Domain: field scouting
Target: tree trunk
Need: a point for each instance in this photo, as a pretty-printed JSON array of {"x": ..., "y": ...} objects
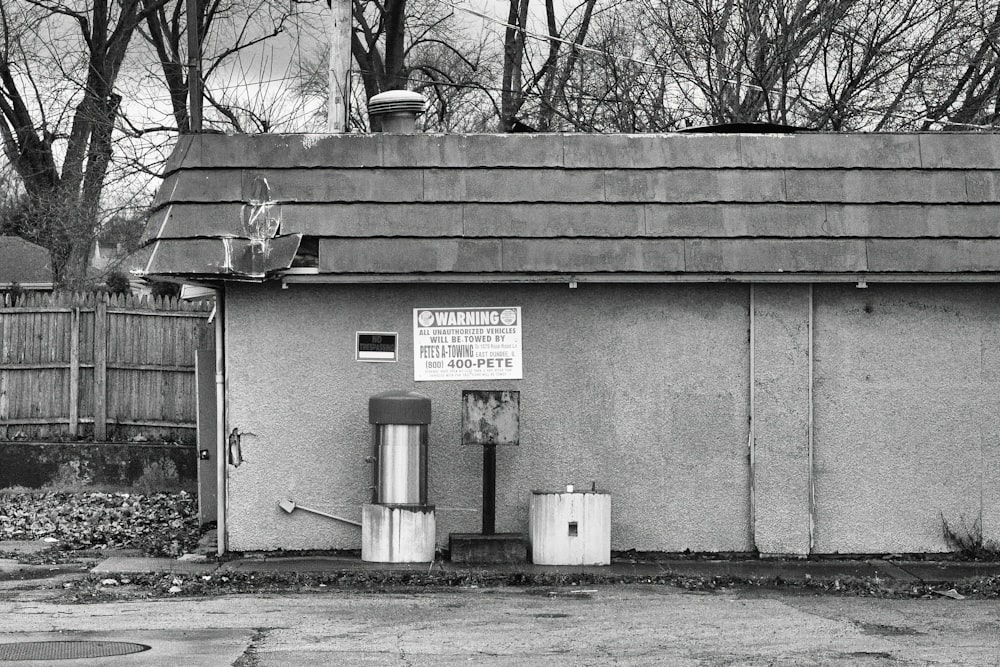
[
  {"x": 395, "y": 48},
  {"x": 512, "y": 94}
]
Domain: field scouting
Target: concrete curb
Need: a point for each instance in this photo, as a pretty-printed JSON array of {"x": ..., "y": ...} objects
[
  {"x": 791, "y": 571},
  {"x": 126, "y": 564}
]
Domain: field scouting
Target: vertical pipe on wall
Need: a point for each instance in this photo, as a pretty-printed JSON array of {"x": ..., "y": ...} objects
[
  {"x": 812, "y": 478},
  {"x": 750, "y": 435},
  {"x": 220, "y": 421}
]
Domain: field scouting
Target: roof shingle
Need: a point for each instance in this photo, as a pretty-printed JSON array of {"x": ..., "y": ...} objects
[{"x": 523, "y": 207}]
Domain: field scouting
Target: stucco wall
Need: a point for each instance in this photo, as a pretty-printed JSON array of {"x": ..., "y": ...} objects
[
  {"x": 780, "y": 417},
  {"x": 642, "y": 389},
  {"x": 645, "y": 391},
  {"x": 907, "y": 415}
]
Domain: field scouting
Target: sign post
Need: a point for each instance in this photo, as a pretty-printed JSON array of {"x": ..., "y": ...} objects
[{"x": 490, "y": 418}]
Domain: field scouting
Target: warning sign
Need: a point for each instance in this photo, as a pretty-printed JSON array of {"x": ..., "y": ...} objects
[
  {"x": 467, "y": 344},
  {"x": 376, "y": 346}
]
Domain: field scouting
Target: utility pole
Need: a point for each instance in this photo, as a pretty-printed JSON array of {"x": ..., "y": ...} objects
[
  {"x": 194, "y": 65},
  {"x": 340, "y": 65}
]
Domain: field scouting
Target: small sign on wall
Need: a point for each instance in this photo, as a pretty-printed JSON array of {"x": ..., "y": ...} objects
[
  {"x": 467, "y": 343},
  {"x": 376, "y": 346}
]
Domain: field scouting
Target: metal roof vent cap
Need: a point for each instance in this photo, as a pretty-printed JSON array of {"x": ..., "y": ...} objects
[{"x": 397, "y": 110}]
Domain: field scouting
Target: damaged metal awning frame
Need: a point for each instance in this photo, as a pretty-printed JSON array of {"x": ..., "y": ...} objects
[
  {"x": 251, "y": 249},
  {"x": 227, "y": 258}
]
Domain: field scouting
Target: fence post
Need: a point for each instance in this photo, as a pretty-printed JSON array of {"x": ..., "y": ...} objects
[
  {"x": 101, "y": 369},
  {"x": 74, "y": 373}
]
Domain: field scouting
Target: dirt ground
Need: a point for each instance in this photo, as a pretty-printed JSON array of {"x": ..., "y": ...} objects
[{"x": 603, "y": 625}]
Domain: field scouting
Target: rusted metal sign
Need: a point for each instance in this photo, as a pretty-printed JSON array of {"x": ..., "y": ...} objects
[{"x": 491, "y": 417}]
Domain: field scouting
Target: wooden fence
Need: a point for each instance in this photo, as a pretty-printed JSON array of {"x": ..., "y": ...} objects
[{"x": 98, "y": 367}]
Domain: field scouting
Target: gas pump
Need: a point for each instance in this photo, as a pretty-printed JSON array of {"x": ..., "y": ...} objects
[{"x": 398, "y": 526}]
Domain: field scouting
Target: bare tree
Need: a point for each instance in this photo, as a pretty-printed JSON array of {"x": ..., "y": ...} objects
[
  {"x": 823, "y": 64},
  {"x": 874, "y": 59},
  {"x": 454, "y": 75},
  {"x": 378, "y": 44},
  {"x": 70, "y": 113},
  {"x": 71, "y": 131},
  {"x": 740, "y": 61},
  {"x": 62, "y": 155},
  {"x": 416, "y": 46},
  {"x": 533, "y": 88},
  {"x": 964, "y": 91},
  {"x": 624, "y": 83},
  {"x": 227, "y": 29}
]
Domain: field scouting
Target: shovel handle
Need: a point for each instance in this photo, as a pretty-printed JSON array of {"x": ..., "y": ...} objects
[{"x": 329, "y": 516}]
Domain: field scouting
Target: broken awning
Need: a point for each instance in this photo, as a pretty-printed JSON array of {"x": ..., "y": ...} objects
[
  {"x": 246, "y": 246},
  {"x": 233, "y": 258}
]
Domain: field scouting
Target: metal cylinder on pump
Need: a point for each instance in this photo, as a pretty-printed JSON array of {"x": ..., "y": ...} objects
[
  {"x": 398, "y": 525},
  {"x": 400, "y": 420}
]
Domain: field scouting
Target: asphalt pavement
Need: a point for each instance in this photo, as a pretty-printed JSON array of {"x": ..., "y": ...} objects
[{"x": 628, "y": 617}]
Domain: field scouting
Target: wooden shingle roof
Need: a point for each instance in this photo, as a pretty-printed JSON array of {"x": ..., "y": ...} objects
[{"x": 817, "y": 207}]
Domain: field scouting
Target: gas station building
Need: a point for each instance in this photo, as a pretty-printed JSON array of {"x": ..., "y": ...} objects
[{"x": 773, "y": 343}]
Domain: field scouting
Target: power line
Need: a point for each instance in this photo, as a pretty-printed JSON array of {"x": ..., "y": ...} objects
[
  {"x": 675, "y": 106},
  {"x": 676, "y": 73},
  {"x": 588, "y": 49},
  {"x": 494, "y": 89}
]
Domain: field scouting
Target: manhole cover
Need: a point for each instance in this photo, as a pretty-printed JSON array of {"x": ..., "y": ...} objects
[{"x": 67, "y": 650}]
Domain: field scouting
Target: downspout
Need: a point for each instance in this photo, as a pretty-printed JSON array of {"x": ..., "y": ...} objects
[
  {"x": 812, "y": 476},
  {"x": 751, "y": 439},
  {"x": 220, "y": 420}
]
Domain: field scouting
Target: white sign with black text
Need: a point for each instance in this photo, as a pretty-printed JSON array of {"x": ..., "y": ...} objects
[{"x": 467, "y": 344}]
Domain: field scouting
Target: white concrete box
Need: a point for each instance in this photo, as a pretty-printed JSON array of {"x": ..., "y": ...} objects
[
  {"x": 570, "y": 528},
  {"x": 398, "y": 534}
]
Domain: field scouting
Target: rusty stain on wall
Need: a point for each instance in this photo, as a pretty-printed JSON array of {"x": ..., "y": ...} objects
[{"x": 491, "y": 417}]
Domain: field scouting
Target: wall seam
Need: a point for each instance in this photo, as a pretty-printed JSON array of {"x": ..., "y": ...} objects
[
  {"x": 222, "y": 412},
  {"x": 810, "y": 430},
  {"x": 751, "y": 437}
]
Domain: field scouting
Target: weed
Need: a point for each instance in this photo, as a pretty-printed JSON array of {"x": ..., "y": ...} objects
[{"x": 968, "y": 541}]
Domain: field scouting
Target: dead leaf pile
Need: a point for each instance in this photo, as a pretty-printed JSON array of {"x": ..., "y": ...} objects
[{"x": 161, "y": 524}]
